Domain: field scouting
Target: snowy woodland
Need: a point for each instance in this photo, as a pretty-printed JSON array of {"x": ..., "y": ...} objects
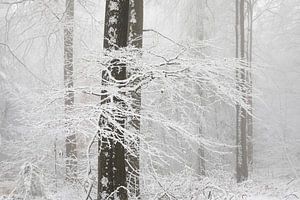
[{"x": 149, "y": 99}]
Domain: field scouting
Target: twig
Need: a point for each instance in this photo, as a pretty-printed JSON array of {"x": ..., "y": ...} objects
[{"x": 25, "y": 66}]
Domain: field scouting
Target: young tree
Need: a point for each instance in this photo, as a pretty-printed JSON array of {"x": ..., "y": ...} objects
[
  {"x": 250, "y": 6},
  {"x": 201, "y": 151},
  {"x": 71, "y": 153},
  {"x": 241, "y": 126},
  {"x": 111, "y": 160}
]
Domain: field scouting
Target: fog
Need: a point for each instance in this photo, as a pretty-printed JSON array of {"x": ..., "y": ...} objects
[{"x": 149, "y": 99}]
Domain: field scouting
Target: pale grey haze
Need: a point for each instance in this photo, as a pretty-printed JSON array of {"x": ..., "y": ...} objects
[{"x": 149, "y": 99}]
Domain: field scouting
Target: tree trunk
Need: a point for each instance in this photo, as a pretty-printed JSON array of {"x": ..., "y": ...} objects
[
  {"x": 71, "y": 153},
  {"x": 201, "y": 152},
  {"x": 135, "y": 37},
  {"x": 111, "y": 160},
  {"x": 241, "y": 133},
  {"x": 136, "y": 20},
  {"x": 201, "y": 155},
  {"x": 250, "y": 82}
]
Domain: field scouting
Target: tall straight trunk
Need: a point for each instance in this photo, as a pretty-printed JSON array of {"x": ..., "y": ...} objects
[
  {"x": 241, "y": 162},
  {"x": 135, "y": 39},
  {"x": 201, "y": 152},
  {"x": 237, "y": 128},
  {"x": 250, "y": 82},
  {"x": 136, "y": 21},
  {"x": 71, "y": 153},
  {"x": 111, "y": 158}
]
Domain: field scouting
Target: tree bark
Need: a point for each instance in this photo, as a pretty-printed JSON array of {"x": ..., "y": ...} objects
[
  {"x": 71, "y": 152},
  {"x": 135, "y": 39},
  {"x": 201, "y": 151},
  {"x": 111, "y": 159},
  {"x": 250, "y": 82},
  {"x": 241, "y": 133}
]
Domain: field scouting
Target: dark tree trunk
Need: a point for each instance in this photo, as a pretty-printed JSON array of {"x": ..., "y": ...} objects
[
  {"x": 111, "y": 160},
  {"x": 135, "y": 37},
  {"x": 136, "y": 20},
  {"x": 71, "y": 153}
]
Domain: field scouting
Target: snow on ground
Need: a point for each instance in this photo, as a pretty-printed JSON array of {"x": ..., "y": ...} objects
[
  {"x": 262, "y": 198},
  {"x": 191, "y": 188},
  {"x": 266, "y": 197},
  {"x": 279, "y": 189}
]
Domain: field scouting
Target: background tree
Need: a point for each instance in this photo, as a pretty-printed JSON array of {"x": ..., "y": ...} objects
[
  {"x": 201, "y": 34},
  {"x": 71, "y": 153},
  {"x": 241, "y": 129},
  {"x": 250, "y": 7}
]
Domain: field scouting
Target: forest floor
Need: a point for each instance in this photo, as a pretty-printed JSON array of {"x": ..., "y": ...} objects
[
  {"x": 277, "y": 189},
  {"x": 192, "y": 189}
]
